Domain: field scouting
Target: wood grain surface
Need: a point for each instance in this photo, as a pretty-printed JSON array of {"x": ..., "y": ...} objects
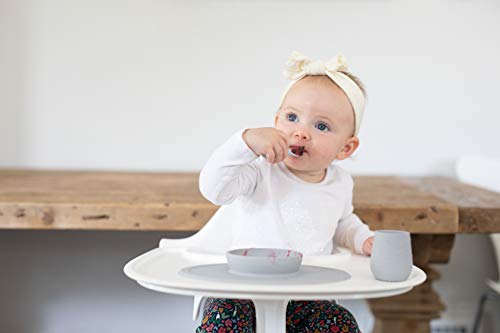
[{"x": 52, "y": 199}]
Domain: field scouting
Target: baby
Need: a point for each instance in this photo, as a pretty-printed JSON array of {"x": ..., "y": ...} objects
[{"x": 278, "y": 188}]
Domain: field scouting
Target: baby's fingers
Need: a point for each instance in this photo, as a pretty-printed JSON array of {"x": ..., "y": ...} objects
[
  {"x": 284, "y": 136},
  {"x": 270, "y": 155},
  {"x": 284, "y": 147},
  {"x": 279, "y": 153}
]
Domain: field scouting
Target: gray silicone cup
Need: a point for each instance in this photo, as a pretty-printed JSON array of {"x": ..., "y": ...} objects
[{"x": 391, "y": 258}]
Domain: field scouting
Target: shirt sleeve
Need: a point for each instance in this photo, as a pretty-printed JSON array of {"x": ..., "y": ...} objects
[
  {"x": 229, "y": 173},
  {"x": 351, "y": 231}
]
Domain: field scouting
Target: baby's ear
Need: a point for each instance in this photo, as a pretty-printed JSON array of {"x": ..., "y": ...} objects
[
  {"x": 276, "y": 117},
  {"x": 349, "y": 148}
]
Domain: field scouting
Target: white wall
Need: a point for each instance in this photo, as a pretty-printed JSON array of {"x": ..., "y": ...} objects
[
  {"x": 157, "y": 85},
  {"x": 124, "y": 84}
]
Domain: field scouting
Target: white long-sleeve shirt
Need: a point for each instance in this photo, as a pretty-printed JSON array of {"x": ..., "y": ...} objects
[{"x": 266, "y": 205}]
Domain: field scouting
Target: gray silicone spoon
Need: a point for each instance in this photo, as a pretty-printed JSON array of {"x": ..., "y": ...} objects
[{"x": 290, "y": 152}]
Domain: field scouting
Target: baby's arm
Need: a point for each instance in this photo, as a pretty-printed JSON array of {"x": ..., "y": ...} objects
[
  {"x": 351, "y": 231},
  {"x": 229, "y": 172}
]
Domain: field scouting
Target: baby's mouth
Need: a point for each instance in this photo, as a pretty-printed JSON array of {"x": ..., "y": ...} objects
[{"x": 298, "y": 150}]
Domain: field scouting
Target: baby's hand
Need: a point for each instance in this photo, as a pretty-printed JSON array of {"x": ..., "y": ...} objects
[
  {"x": 367, "y": 246},
  {"x": 267, "y": 141}
]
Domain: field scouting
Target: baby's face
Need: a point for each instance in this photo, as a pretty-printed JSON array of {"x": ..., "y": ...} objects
[{"x": 318, "y": 117}]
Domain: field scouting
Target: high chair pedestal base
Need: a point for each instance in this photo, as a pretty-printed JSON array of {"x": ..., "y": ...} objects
[{"x": 270, "y": 315}]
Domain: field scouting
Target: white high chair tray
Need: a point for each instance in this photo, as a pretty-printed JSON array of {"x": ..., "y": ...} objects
[{"x": 159, "y": 270}]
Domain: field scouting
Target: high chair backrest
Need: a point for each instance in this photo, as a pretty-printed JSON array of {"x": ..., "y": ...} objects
[{"x": 215, "y": 237}]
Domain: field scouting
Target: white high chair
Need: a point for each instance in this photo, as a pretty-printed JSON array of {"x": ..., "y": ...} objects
[
  {"x": 214, "y": 239},
  {"x": 484, "y": 172}
]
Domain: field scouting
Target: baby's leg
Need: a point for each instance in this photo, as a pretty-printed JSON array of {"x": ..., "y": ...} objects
[
  {"x": 326, "y": 316},
  {"x": 223, "y": 315},
  {"x": 297, "y": 313}
]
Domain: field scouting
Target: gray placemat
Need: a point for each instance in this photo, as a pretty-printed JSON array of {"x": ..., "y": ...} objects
[{"x": 305, "y": 275}]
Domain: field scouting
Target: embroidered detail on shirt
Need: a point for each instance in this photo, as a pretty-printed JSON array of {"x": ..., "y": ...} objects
[{"x": 298, "y": 222}]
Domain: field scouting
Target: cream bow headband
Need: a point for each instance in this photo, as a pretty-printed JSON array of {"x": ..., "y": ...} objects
[{"x": 298, "y": 66}]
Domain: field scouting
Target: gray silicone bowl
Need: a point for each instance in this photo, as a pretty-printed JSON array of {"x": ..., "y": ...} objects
[{"x": 263, "y": 261}]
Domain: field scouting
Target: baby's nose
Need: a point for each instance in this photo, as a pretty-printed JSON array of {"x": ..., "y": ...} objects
[{"x": 302, "y": 135}]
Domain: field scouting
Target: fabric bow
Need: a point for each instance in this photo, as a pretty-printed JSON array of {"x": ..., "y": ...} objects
[{"x": 299, "y": 65}]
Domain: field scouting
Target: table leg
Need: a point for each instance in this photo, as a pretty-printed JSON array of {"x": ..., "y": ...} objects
[
  {"x": 270, "y": 315},
  {"x": 413, "y": 311}
]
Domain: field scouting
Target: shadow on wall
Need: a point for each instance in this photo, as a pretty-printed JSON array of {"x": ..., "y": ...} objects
[
  {"x": 15, "y": 65},
  {"x": 73, "y": 281}
]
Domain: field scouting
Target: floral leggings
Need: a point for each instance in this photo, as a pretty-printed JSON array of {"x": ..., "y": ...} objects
[{"x": 238, "y": 316}]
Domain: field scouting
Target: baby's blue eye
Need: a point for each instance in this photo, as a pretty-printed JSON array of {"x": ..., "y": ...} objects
[
  {"x": 291, "y": 117},
  {"x": 322, "y": 127}
]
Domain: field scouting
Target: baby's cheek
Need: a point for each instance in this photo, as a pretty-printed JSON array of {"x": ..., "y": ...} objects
[
  {"x": 327, "y": 152},
  {"x": 323, "y": 159},
  {"x": 282, "y": 127}
]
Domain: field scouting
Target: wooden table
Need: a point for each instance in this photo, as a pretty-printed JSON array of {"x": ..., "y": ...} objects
[{"x": 433, "y": 209}]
